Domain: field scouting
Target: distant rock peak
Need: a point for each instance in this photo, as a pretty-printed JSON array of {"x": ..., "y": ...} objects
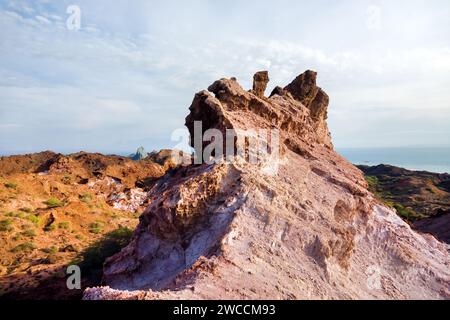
[{"x": 140, "y": 154}]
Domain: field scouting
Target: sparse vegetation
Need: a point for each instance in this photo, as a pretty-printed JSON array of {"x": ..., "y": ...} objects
[
  {"x": 100, "y": 206},
  {"x": 64, "y": 225},
  {"x": 50, "y": 250},
  {"x": 66, "y": 179},
  {"x": 386, "y": 197},
  {"x": 85, "y": 197},
  {"x": 96, "y": 227},
  {"x": 373, "y": 183},
  {"x": 10, "y": 214},
  {"x": 54, "y": 203},
  {"x": 10, "y": 185},
  {"x": 30, "y": 233},
  {"x": 15, "y": 214},
  {"x": 41, "y": 222},
  {"x": 33, "y": 218},
  {"x": 92, "y": 258},
  {"x": 406, "y": 213},
  {"x": 415, "y": 195},
  {"x": 17, "y": 237},
  {"x": 24, "y": 247},
  {"x": 6, "y": 225}
]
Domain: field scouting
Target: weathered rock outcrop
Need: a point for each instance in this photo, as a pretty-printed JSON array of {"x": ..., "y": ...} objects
[
  {"x": 305, "y": 90},
  {"x": 306, "y": 229},
  {"x": 260, "y": 81}
]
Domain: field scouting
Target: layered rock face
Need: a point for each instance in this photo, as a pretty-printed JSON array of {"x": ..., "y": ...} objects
[{"x": 309, "y": 229}]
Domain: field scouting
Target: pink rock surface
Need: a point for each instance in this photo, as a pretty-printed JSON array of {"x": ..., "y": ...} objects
[{"x": 310, "y": 231}]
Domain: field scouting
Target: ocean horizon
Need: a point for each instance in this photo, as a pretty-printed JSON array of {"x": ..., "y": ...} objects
[{"x": 433, "y": 159}]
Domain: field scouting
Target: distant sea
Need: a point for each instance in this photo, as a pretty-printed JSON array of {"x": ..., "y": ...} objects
[{"x": 428, "y": 159}]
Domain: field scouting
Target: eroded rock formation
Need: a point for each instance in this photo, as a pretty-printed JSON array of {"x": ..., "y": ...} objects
[
  {"x": 308, "y": 230},
  {"x": 260, "y": 81}
]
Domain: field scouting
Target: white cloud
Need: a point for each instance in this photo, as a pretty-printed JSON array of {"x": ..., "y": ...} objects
[{"x": 43, "y": 20}]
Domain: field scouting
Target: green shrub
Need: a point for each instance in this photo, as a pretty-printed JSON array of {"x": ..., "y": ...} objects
[
  {"x": 6, "y": 225},
  {"x": 17, "y": 237},
  {"x": 10, "y": 185},
  {"x": 406, "y": 213},
  {"x": 33, "y": 218},
  {"x": 372, "y": 182},
  {"x": 91, "y": 260},
  {"x": 30, "y": 233},
  {"x": 96, "y": 227},
  {"x": 50, "y": 250},
  {"x": 15, "y": 214},
  {"x": 21, "y": 215},
  {"x": 85, "y": 197},
  {"x": 64, "y": 225},
  {"x": 54, "y": 203},
  {"x": 24, "y": 247},
  {"x": 26, "y": 210}
]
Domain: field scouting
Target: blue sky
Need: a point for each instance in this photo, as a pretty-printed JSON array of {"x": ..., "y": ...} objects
[{"x": 128, "y": 76}]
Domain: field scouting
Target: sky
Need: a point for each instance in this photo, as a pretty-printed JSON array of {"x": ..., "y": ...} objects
[{"x": 126, "y": 77}]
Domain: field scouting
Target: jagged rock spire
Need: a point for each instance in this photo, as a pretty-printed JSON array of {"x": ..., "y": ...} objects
[
  {"x": 260, "y": 81},
  {"x": 304, "y": 89}
]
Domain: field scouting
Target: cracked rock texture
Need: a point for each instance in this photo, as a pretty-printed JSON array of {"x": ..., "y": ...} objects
[{"x": 308, "y": 230}]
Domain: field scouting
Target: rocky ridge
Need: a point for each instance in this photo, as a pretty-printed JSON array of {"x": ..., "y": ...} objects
[{"x": 309, "y": 229}]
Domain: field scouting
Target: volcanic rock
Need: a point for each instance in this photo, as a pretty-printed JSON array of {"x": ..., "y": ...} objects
[
  {"x": 279, "y": 91},
  {"x": 304, "y": 89},
  {"x": 308, "y": 228},
  {"x": 260, "y": 81}
]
